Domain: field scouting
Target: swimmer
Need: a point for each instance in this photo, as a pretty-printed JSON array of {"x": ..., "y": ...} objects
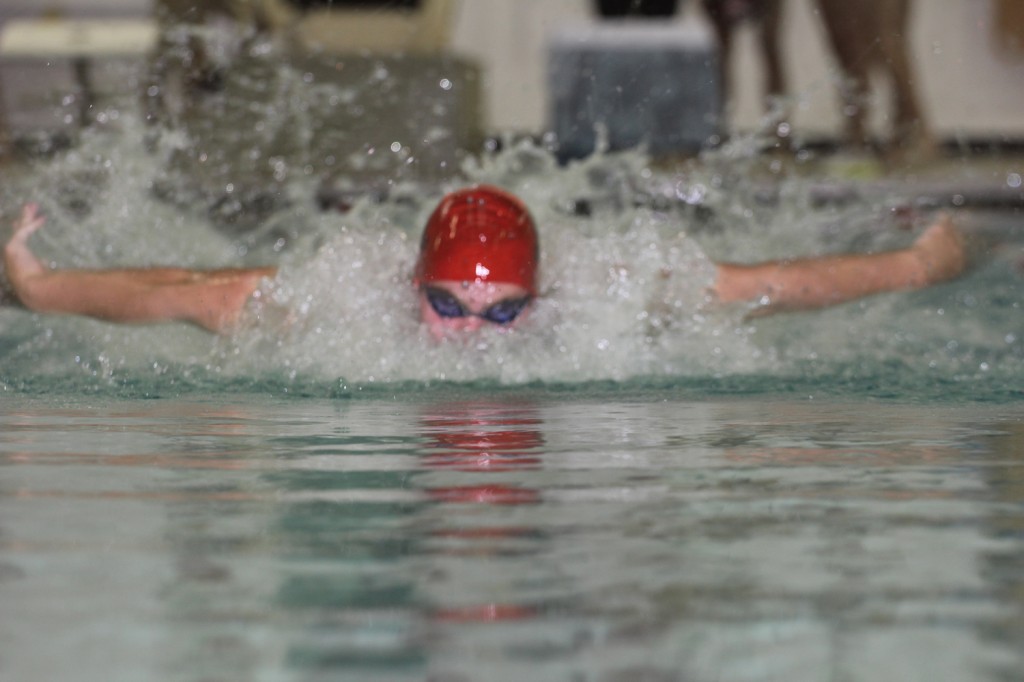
[{"x": 477, "y": 266}]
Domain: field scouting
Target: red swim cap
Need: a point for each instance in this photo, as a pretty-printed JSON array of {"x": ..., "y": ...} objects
[{"x": 480, "y": 234}]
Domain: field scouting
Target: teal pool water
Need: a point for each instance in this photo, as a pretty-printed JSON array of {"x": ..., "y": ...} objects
[
  {"x": 468, "y": 534},
  {"x": 629, "y": 486}
]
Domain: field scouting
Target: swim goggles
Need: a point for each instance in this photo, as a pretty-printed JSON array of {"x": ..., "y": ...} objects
[{"x": 502, "y": 312}]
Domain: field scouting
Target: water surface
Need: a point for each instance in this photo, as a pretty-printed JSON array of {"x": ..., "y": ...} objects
[{"x": 517, "y": 536}]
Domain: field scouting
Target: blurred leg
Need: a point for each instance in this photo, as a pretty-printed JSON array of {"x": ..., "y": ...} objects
[
  {"x": 910, "y": 130},
  {"x": 849, "y": 29}
]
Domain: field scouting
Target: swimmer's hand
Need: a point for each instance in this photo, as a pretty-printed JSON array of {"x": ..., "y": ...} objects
[
  {"x": 29, "y": 221},
  {"x": 940, "y": 251},
  {"x": 18, "y": 258}
]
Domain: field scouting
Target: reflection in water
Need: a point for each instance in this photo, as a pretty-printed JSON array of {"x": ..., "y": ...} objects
[
  {"x": 366, "y": 573},
  {"x": 511, "y": 539},
  {"x": 1005, "y": 568},
  {"x": 342, "y": 539},
  {"x": 480, "y": 446}
]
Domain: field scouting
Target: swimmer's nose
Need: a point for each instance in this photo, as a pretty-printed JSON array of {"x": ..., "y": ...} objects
[{"x": 471, "y": 324}]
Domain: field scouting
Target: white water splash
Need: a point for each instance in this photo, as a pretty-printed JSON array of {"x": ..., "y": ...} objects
[{"x": 624, "y": 271}]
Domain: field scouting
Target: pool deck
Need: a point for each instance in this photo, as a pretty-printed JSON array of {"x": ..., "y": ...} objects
[{"x": 990, "y": 180}]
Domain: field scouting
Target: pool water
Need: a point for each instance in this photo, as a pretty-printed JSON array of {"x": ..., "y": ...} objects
[
  {"x": 465, "y": 534},
  {"x": 631, "y": 485}
]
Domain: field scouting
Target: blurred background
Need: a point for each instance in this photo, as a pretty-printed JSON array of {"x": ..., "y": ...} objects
[{"x": 675, "y": 76}]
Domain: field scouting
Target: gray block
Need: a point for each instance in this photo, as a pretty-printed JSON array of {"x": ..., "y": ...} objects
[{"x": 645, "y": 83}]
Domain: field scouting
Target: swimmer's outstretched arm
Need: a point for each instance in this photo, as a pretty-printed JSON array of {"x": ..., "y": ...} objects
[
  {"x": 937, "y": 255},
  {"x": 211, "y": 299}
]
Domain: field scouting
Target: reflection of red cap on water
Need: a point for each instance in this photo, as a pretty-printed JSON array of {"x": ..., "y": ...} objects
[
  {"x": 487, "y": 613},
  {"x": 495, "y": 493},
  {"x": 480, "y": 234}
]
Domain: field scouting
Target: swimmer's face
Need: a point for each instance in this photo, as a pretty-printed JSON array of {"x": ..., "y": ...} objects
[{"x": 448, "y": 307}]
